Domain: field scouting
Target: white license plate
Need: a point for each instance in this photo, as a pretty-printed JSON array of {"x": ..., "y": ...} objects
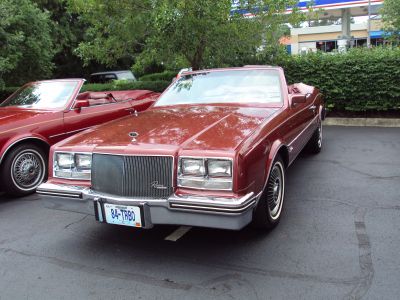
[{"x": 123, "y": 215}]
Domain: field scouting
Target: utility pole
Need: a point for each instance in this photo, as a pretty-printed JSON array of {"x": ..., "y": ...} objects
[{"x": 369, "y": 25}]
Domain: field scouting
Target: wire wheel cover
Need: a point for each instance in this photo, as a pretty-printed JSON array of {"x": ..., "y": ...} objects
[
  {"x": 275, "y": 188},
  {"x": 27, "y": 169}
]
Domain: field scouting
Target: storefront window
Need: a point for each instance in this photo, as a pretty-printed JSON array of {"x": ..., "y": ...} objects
[
  {"x": 327, "y": 46},
  {"x": 360, "y": 43}
]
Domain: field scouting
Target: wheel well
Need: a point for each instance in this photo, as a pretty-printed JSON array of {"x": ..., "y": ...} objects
[
  {"x": 284, "y": 153},
  {"x": 40, "y": 143}
]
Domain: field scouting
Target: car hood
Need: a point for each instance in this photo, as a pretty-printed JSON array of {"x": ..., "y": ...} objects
[
  {"x": 13, "y": 118},
  {"x": 194, "y": 127}
]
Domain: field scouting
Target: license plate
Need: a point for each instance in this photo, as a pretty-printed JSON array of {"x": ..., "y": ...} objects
[{"x": 123, "y": 215}]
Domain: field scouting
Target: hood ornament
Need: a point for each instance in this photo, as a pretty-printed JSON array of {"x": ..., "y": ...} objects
[{"x": 133, "y": 135}]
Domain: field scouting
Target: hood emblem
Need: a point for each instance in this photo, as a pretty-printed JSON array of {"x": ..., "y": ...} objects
[
  {"x": 157, "y": 186},
  {"x": 133, "y": 135}
]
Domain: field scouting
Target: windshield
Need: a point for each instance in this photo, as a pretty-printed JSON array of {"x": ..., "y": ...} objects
[
  {"x": 126, "y": 75},
  {"x": 45, "y": 95},
  {"x": 247, "y": 86}
]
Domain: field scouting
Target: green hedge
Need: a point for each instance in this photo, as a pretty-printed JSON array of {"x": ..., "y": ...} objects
[
  {"x": 6, "y": 92},
  {"x": 360, "y": 80},
  {"x": 156, "y": 86},
  {"x": 166, "y": 76}
]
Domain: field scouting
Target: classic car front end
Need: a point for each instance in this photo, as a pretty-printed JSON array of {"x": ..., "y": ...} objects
[
  {"x": 219, "y": 162},
  {"x": 156, "y": 187}
]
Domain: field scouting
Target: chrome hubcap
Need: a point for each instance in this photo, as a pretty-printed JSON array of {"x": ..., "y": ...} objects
[
  {"x": 27, "y": 170},
  {"x": 275, "y": 190},
  {"x": 320, "y": 136}
]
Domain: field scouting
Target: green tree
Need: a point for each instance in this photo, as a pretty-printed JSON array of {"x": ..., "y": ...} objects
[
  {"x": 116, "y": 29},
  {"x": 391, "y": 19},
  {"x": 178, "y": 33},
  {"x": 26, "y": 48}
]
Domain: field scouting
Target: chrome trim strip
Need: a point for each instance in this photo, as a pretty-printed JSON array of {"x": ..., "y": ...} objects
[
  {"x": 98, "y": 105},
  {"x": 305, "y": 128},
  {"x": 61, "y": 190},
  {"x": 212, "y": 201},
  {"x": 70, "y": 132},
  {"x": 49, "y": 193},
  {"x": 207, "y": 209},
  {"x": 92, "y": 194}
]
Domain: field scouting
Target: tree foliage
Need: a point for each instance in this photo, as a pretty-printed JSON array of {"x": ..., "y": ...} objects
[
  {"x": 117, "y": 29},
  {"x": 26, "y": 47},
  {"x": 178, "y": 33},
  {"x": 391, "y": 18}
]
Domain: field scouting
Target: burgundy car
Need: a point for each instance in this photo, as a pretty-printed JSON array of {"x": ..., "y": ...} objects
[
  {"x": 212, "y": 151},
  {"x": 43, "y": 113}
]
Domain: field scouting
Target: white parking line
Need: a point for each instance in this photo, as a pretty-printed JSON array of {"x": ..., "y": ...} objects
[{"x": 178, "y": 233}]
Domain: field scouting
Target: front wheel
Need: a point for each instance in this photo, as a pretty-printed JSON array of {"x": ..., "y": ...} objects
[
  {"x": 269, "y": 208},
  {"x": 24, "y": 168}
]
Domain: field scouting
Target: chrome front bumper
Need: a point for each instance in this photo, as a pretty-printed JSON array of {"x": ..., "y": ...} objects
[{"x": 225, "y": 213}]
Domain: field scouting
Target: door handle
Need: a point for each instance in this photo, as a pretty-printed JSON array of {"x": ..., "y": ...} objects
[
  {"x": 132, "y": 111},
  {"x": 312, "y": 107}
]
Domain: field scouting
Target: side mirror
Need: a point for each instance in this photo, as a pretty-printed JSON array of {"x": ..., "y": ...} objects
[
  {"x": 81, "y": 103},
  {"x": 297, "y": 98}
]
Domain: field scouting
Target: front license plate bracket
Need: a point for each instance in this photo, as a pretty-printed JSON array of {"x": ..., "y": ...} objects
[{"x": 124, "y": 211}]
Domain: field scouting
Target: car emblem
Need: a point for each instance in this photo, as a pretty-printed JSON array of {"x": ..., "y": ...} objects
[
  {"x": 133, "y": 135},
  {"x": 156, "y": 185}
]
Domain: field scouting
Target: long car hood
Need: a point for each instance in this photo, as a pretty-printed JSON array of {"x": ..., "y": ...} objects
[
  {"x": 14, "y": 118},
  {"x": 199, "y": 127}
]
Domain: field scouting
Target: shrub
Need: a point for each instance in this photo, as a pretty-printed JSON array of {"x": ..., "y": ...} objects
[
  {"x": 166, "y": 75},
  {"x": 156, "y": 86},
  {"x": 359, "y": 80},
  {"x": 4, "y": 93}
]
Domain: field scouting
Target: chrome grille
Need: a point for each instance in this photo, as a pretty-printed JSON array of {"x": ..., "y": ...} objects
[{"x": 133, "y": 176}]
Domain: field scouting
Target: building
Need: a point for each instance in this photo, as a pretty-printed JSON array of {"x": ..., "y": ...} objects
[{"x": 326, "y": 38}]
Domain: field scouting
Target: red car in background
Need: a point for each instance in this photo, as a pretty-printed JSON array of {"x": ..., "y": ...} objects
[{"x": 43, "y": 113}]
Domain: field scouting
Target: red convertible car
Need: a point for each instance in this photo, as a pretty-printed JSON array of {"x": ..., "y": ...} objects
[
  {"x": 45, "y": 112},
  {"x": 212, "y": 151}
]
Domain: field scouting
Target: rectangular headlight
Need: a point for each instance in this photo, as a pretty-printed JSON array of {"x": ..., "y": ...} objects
[
  {"x": 205, "y": 173},
  {"x": 83, "y": 161},
  {"x": 193, "y": 167},
  {"x": 72, "y": 165},
  {"x": 219, "y": 168},
  {"x": 65, "y": 160}
]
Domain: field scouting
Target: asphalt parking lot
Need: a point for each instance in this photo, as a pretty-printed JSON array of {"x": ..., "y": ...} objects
[{"x": 339, "y": 239}]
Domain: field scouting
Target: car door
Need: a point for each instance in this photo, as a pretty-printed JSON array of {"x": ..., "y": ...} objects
[
  {"x": 78, "y": 119},
  {"x": 300, "y": 122}
]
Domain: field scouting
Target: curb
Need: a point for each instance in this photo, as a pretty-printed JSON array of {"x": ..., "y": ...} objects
[{"x": 369, "y": 122}]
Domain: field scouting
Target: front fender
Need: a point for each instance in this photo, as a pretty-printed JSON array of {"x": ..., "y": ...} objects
[
  {"x": 274, "y": 150},
  {"x": 19, "y": 138}
]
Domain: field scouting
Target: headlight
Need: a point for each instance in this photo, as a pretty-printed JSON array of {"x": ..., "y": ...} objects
[
  {"x": 193, "y": 167},
  {"x": 205, "y": 173},
  {"x": 219, "y": 168},
  {"x": 83, "y": 161},
  {"x": 65, "y": 160},
  {"x": 72, "y": 165}
]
